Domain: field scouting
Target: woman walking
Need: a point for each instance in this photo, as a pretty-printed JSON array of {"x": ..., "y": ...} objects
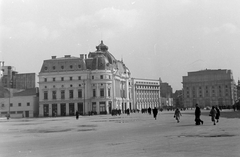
[
  {"x": 213, "y": 115},
  {"x": 217, "y": 114},
  {"x": 177, "y": 114}
]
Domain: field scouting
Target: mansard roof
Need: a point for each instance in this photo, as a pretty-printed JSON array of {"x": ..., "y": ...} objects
[{"x": 101, "y": 59}]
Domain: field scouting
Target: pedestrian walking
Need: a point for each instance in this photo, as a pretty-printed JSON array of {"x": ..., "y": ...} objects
[
  {"x": 149, "y": 110},
  {"x": 217, "y": 114},
  {"x": 213, "y": 115},
  {"x": 177, "y": 114},
  {"x": 155, "y": 112},
  {"x": 197, "y": 115},
  {"x": 77, "y": 114}
]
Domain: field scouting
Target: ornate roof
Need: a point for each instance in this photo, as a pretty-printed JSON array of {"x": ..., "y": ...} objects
[{"x": 101, "y": 59}]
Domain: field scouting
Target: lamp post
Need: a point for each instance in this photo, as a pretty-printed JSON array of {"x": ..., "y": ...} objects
[{"x": 83, "y": 97}]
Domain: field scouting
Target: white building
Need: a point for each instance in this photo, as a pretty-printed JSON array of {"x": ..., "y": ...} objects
[
  {"x": 94, "y": 84},
  {"x": 21, "y": 103},
  {"x": 146, "y": 93}
]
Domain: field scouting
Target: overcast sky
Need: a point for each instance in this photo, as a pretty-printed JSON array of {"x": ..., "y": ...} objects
[{"x": 155, "y": 38}]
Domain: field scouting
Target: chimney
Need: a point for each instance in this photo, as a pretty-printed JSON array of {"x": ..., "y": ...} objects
[
  {"x": 54, "y": 57},
  {"x": 67, "y": 56},
  {"x": 81, "y": 56}
]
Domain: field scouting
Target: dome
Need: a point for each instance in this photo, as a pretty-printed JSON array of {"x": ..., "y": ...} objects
[
  {"x": 101, "y": 47},
  {"x": 102, "y": 50},
  {"x": 99, "y": 62}
]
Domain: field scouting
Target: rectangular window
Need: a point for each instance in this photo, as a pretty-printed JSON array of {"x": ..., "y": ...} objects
[
  {"x": 54, "y": 79},
  {"x": 70, "y": 78},
  {"x": 45, "y": 95},
  {"x": 62, "y": 78},
  {"x": 70, "y": 94},
  {"x": 28, "y": 104},
  {"x": 101, "y": 92},
  {"x": 19, "y": 104},
  {"x": 79, "y": 77},
  {"x": 2, "y": 105},
  {"x": 93, "y": 77},
  {"x": 101, "y": 76},
  {"x": 62, "y": 94},
  {"x": 45, "y": 79},
  {"x": 94, "y": 92},
  {"x": 94, "y": 107},
  {"x": 102, "y": 107},
  {"x": 11, "y": 105},
  {"x": 54, "y": 95},
  {"x": 109, "y": 92},
  {"x": 80, "y": 93}
]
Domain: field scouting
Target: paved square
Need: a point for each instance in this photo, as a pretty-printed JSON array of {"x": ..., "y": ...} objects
[{"x": 126, "y": 136}]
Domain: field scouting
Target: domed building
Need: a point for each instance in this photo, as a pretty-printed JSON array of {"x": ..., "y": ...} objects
[{"x": 95, "y": 83}]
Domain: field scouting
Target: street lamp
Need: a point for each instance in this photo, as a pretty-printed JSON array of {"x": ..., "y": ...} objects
[{"x": 83, "y": 97}]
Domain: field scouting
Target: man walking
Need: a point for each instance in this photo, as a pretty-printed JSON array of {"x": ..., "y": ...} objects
[
  {"x": 197, "y": 115},
  {"x": 155, "y": 112}
]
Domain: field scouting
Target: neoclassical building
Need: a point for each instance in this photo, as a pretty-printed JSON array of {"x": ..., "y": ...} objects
[
  {"x": 209, "y": 88},
  {"x": 96, "y": 83}
]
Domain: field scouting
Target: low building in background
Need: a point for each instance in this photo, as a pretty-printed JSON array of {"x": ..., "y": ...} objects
[
  {"x": 178, "y": 99},
  {"x": 209, "y": 88},
  {"x": 19, "y": 103}
]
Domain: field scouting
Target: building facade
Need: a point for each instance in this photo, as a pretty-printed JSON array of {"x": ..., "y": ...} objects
[
  {"x": 146, "y": 93},
  {"x": 11, "y": 79},
  {"x": 178, "y": 99},
  {"x": 19, "y": 103},
  {"x": 95, "y": 83},
  {"x": 209, "y": 88}
]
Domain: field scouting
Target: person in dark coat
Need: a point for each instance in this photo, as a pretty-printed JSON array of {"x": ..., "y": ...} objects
[
  {"x": 197, "y": 115},
  {"x": 217, "y": 114},
  {"x": 155, "y": 112},
  {"x": 77, "y": 114},
  {"x": 149, "y": 110}
]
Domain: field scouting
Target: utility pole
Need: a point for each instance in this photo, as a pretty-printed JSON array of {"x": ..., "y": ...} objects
[{"x": 84, "y": 97}]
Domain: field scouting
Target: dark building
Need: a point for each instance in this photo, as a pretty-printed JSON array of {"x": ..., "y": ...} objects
[{"x": 11, "y": 79}]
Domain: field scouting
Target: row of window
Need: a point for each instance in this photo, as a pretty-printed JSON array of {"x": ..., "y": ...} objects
[
  {"x": 19, "y": 104},
  {"x": 193, "y": 88},
  {"x": 71, "y": 78},
  {"x": 207, "y": 95},
  {"x": 79, "y": 85},
  {"x": 148, "y": 87},
  {"x": 13, "y": 112},
  {"x": 138, "y": 82},
  {"x": 80, "y": 93},
  {"x": 62, "y": 67}
]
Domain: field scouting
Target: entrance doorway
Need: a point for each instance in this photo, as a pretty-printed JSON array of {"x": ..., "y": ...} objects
[
  {"x": 71, "y": 109},
  {"x": 63, "y": 109},
  {"x": 54, "y": 110},
  {"x": 45, "y": 110},
  {"x": 26, "y": 113},
  {"x": 80, "y": 108}
]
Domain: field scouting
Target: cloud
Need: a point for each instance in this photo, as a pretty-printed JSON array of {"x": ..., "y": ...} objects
[
  {"x": 108, "y": 21},
  {"x": 28, "y": 31},
  {"x": 228, "y": 28}
]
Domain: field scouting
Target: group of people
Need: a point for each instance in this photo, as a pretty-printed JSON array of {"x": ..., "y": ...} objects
[{"x": 214, "y": 114}]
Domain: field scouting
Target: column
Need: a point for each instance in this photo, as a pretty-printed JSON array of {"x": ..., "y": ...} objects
[
  {"x": 58, "y": 109},
  {"x": 50, "y": 110},
  {"x": 40, "y": 110},
  {"x": 75, "y": 107},
  {"x": 67, "y": 109}
]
